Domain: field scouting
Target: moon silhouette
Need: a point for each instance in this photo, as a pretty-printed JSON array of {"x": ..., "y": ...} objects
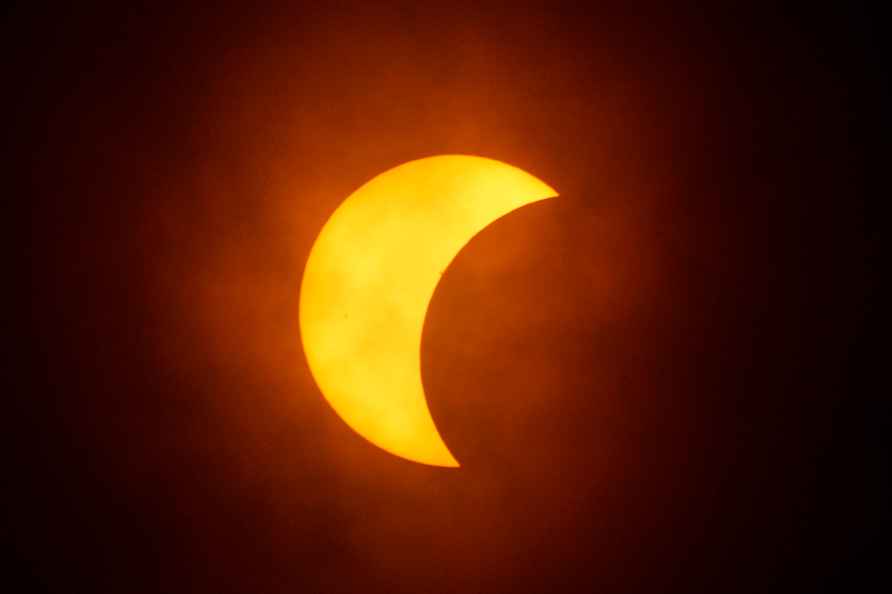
[{"x": 369, "y": 279}]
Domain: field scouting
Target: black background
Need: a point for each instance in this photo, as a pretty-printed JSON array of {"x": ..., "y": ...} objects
[{"x": 664, "y": 381}]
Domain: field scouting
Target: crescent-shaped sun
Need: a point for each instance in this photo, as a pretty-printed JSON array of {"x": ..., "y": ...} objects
[{"x": 369, "y": 279}]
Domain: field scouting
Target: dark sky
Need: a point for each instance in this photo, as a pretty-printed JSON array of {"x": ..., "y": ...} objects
[{"x": 664, "y": 381}]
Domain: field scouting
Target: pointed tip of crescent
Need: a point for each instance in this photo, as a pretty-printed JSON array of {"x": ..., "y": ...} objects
[
  {"x": 441, "y": 456},
  {"x": 452, "y": 463}
]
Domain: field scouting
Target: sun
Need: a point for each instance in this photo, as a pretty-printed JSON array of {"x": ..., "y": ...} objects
[{"x": 369, "y": 279}]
